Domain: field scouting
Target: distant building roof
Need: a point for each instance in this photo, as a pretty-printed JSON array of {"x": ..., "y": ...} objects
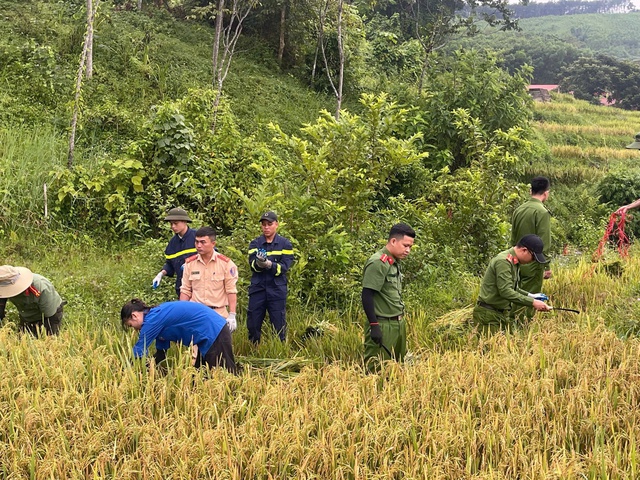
[
  {"x": 543, "y": 87},
  {"x": 606, "y": 102}
]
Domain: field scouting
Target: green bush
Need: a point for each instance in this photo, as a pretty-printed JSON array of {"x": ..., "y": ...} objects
[{"x": 621, "y": 188}]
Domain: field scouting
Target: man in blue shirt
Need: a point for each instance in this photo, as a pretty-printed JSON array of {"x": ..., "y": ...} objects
[
  {"x": 270, "y": 257},
  {"x": 186, "y": 323},
  {"x": 181, "y": 246}
]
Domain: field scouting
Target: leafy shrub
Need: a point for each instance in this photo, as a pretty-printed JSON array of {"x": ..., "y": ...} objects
[
  {"x": 494, "y": 100},
  {"x": 105, "y": 198},
  {"x": 621, "y": 188}
]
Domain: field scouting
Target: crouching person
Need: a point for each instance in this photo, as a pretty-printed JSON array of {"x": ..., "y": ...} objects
[
  {"x": 181, "y": 322},
  {"x": 38, "y": 303},
  {"x": 500, "y": 288}
]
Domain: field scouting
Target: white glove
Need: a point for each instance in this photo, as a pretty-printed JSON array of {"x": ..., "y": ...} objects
[
  {"x": 264, "y": 263},
  {"x": 538, "y": 296},
  {"x": 231, "y": 321},
  {"x": 157, "y": 280}
]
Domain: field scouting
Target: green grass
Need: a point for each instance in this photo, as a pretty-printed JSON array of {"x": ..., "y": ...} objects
[{"x": 27, "y": 156}]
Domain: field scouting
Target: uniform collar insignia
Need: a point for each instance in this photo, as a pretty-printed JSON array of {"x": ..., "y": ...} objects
[{"x": 387, "y": 259}]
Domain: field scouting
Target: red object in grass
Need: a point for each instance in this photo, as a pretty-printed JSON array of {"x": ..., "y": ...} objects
[{"x": 616, "y": 222}]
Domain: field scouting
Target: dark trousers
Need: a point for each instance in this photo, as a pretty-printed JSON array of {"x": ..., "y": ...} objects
[
  {"x": 259, "y": 305},
  {"x": 220, "y": 354},
  {"x": 51, "y": 324}
]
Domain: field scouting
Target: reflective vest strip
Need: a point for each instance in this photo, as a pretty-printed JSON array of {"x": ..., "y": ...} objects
[
  {"x": 280, "y": 252},
  {"x": 183, "y": 252},
  {"x": 274, "y": 252}
]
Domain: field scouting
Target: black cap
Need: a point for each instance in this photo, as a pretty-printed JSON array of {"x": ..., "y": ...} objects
[
  {"x": 269, "y": 217},
  {"x": 534, "y": 244}
]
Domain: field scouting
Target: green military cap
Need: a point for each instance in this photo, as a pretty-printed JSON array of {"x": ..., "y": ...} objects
[
  {"x": 177, "y": 214},
  {"x": 635, "y": 144}
]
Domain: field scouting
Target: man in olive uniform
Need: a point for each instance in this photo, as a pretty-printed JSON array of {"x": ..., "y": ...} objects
[
  {"x": 181, "y": 246},
  {"x": 500, "y": 287},
  {"x": 34, "y": 296},
  {"x": 386, "y": 330},
  {"x": 533, "y": 218}
]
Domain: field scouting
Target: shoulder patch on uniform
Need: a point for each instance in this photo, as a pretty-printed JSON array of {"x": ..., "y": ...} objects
[
  {"x": 191, "y": 258},
  {"x": 32, "y": 291},
  {"x": 386, "y": 258},
  {"x": 512, "y": 259},
  {"x": 223, "y": 258}
]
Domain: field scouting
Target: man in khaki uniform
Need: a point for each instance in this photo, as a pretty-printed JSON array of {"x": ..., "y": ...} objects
[{"x": 210, "y": 278}]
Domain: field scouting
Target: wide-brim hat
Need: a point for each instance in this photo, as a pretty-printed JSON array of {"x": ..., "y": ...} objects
[
  {"x": 14, "y": 280},
  {"x": 534, "y": 244},
  {"x": 635, "y": 144},
  {"x": 177, "y": 215}
]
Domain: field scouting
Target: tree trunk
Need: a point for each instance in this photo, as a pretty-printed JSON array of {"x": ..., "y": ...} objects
[
  {"x": 76, "y": 104},
  {"x": 225, "y": 43},
  {"x": 89, "y": 39},
  {"x": 86, "y": 66},
  {"x": 139, "y": 5},
  {"x": 283, "y": 16},
  {"x": 341, "y": 53},
  {"x": 315, "y": 64},
  {"x": 216, "y": 42},
  {"x": 425, "y": 63}
]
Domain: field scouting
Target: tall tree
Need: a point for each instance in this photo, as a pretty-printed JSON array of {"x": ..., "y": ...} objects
[
  {"x": 229, "y": 20},
  {"x": 83, "y": 70},
  {"x": 338, "y": 83},
  {"x": 433, "y": 22},
  {"x": 89, "y": 40},
  {"x": 601, "y": 76},
  {"x": 339, "y": 31}
]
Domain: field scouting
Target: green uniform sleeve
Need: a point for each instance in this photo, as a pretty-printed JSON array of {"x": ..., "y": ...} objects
[
  {"x": 514, "y": 229},
  {"x": 544, "y": 232},
  {"x": 49, "y": 299},
  {"x": 504, "y": 284},
  {"x": 374, "y": 275}
]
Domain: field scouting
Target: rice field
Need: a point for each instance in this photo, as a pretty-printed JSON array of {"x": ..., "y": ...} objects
[{"x": 558, "y": 399}]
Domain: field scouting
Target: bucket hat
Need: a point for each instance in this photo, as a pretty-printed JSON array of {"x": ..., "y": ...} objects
[{"x": 14, "y": 280}]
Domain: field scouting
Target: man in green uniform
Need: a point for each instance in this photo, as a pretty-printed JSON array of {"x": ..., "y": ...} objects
[
  {"x": 500, "y": 287},
  {"x": 386, "y": 331},
  {"x": 533, "y": 218},
  {"x": 34, "y": 296}
]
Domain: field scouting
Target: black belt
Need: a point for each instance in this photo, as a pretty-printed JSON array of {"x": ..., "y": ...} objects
[
  {"x": 491, "y": 307},
  {"x": 396, "y": 318},
  {"x": 214, "y": 307}
]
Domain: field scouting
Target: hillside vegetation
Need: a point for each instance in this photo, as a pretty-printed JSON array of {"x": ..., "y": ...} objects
[
  {"x": 611, "y": 34},
  {"x": 556, "y": 399},
  {"x": 551, "y": 44}
]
